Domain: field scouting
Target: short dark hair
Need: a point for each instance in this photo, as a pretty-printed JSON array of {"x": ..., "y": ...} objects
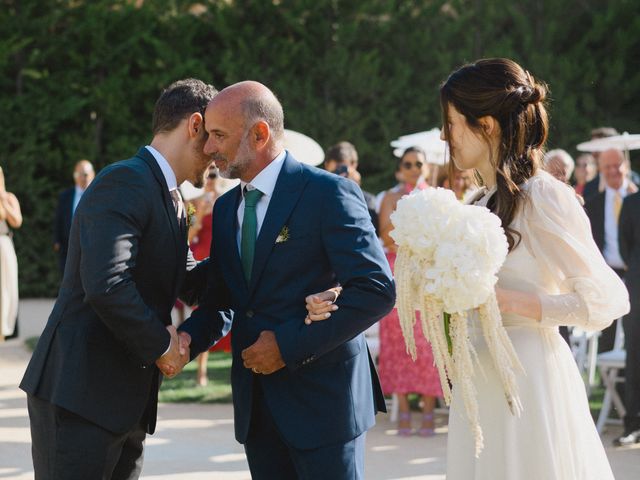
[
  {"x": 178, "y": 101},
  {"x": 343, "y": 152}
]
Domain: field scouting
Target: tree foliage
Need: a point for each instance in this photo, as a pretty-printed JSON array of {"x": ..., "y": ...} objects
[{"x": 79, "y": 78}]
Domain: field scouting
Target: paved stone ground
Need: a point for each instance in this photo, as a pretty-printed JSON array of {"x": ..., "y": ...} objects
[{"x": 195, "y": 442}]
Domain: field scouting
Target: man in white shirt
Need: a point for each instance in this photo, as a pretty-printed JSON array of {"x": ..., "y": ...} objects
[
  {"x": 83, "y": 175},
  {"x": 603, "y": 210},
  {"x": 304, "y": 395},
  {"x": 93, "y": 379}
]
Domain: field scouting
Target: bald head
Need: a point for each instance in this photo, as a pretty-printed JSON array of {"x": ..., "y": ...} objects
[
  {"x": 83, "y": 174},
  {"x": 614, "y": 168},
  {"x": 256, "y": 103}
]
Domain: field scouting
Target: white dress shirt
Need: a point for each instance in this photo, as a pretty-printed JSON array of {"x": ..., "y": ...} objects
[
  {"x": 611, "y": 249},
  {"x": 77, "y": 195},
  {"x": 265, "y": 181},
  {"x": 167, "y": 171}
]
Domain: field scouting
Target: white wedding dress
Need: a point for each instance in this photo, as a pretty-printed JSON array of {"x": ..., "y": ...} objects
[{"x": 555, "y": 437}]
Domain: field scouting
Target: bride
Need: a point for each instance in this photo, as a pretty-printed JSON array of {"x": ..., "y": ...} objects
[{"x": 496, "y": 123}]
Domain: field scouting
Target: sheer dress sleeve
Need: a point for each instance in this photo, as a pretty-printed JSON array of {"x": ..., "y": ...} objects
[{"x": 556, "y": 230}]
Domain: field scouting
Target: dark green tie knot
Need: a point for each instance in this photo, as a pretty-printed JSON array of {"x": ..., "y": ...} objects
[{"x": 251, "y": 197}]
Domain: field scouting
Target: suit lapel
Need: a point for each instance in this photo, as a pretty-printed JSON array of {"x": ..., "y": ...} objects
[
  {"x": 179, "y": 235},
  {"x": 226, "y": 245},
  {"x": 288, "y": 189},
  {"x": 145, "y": 155}
]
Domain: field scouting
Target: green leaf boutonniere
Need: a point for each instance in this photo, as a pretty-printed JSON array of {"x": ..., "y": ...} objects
[
  {"x": 191, "y": 215},
  {"x": 283, "y": 236}
]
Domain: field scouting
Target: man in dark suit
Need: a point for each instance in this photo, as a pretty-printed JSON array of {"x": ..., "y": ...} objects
[
  {"x": 92, "y": 382},
  {"x": 304, "y": 395},
  {"x": 68, "y": 200},
  {"x": 629, "y": 238},
  {"x": 603, "y": 211}
]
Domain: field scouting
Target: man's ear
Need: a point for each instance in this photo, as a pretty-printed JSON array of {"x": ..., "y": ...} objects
[
  {"x": 196, "y": 123},
  {"x": 489, "y": 125},
  {"x": 260, "y": 134}
]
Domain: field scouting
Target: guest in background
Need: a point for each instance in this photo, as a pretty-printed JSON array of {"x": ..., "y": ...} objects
[
  {"x": 603, "y": 210},
  {"x": 10, "y": 217},
  {"x": 460, "y": 181},
  {"x": 342, "y": 159},
  {"x": 585, "y": 171},
  {"x": 629, "y": 237},
  {"x": 200, "y": 243},
  {"x": 559, "y": 164},
  {"x": 598, "y": 184},
  {"x": 593, "y": 187},
  {"x": 399, "y": 186},
  {"x": 399, "y": 374},
  {"x": 68, "y": 200}
]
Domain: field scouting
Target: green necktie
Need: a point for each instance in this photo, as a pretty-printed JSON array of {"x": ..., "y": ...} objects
[{"x": 249, "y": 231}]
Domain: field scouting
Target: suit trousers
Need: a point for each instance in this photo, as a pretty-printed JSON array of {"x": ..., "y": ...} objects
[
  {"x": 270, "y": 457},
  {"x": 65, "y": 446},
  {"x": 608, "y": 336},
  {"x": 631, "y": 324}
]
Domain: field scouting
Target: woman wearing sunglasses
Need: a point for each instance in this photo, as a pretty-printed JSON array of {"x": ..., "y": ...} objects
[{"x": 399, "y": 374}]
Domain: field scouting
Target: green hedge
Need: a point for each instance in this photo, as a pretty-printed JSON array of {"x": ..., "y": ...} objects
[{"x": 79, "y": 78}]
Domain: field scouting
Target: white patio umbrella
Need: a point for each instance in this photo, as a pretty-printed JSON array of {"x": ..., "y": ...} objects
[
  {"x": 624, "y": 142},
  {"x": 436, "y": 149},
  {"x": 304, "y": 149}
]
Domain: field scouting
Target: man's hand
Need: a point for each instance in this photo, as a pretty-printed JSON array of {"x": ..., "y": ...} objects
[
  {"x": 263, "y": 356},
  {"x": 172, "y": 362}
]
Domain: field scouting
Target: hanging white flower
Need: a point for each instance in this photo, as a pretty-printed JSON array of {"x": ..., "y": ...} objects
[{"x": 448, "y": 258}]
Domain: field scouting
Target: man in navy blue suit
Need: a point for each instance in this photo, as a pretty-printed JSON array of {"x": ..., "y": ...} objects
[
  {"x": 304, "y": 395},
  {"x": 68, "y": 200}
]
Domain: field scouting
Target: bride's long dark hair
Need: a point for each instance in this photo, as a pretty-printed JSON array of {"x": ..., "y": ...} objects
[{"x": 502, "y": 89}]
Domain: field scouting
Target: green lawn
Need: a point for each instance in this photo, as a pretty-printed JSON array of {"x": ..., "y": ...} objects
[{"x": 184, "y": 388}]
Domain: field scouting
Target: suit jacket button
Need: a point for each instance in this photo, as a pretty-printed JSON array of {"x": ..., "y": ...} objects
[{"x": 249, "y": 314}]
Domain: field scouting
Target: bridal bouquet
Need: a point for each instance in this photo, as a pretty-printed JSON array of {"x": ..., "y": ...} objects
[{"x": 448, "y": 258}]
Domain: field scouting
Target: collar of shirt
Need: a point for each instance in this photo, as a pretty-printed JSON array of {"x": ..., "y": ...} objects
[
  {"x": 79, "y": 191},
  {"x": 622, "y": 190},
  {"x": 266, "y": 180},
  {"x": 167, "y": 171}
]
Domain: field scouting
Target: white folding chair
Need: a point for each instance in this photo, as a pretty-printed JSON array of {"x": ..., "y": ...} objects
[
  {"x": 609, "y": 364},
  {"x": 584, "y": 347}
]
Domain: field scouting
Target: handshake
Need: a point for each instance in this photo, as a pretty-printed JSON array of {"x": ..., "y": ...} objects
[{"x": 174, "y": 360}]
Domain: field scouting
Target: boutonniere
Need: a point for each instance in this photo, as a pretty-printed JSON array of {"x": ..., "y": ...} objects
[
  {"x": 191, "y": 215},
  {"x": 283, "y": 236}
]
